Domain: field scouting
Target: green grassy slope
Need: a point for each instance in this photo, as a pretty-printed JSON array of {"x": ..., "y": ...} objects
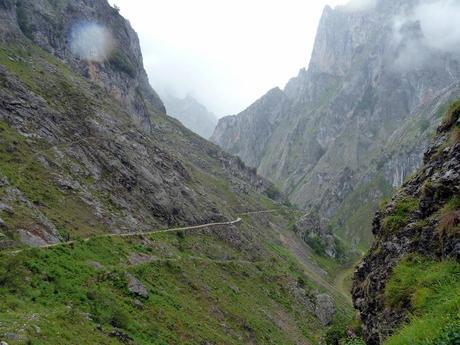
[{"x": 201, "y": 288}]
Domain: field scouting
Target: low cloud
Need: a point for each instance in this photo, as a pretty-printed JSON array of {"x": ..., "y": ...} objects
[
  {"x": 440, "y": 24},
  {"x": 432, "y": 27},
  {"x": 91, "y": 42}
]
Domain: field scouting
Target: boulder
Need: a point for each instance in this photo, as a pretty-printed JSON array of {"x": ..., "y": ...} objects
[
  {"x": 325, "y": 309},
  {"x": 136, "y": 287}
]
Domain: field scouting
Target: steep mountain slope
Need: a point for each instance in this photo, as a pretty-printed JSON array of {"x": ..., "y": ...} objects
[
  {"x": 192, "y": 114},
  {"x": 86, "y": 151},
  {"x": 331, "y": 138},
  {"x": 407, "y": 287}
]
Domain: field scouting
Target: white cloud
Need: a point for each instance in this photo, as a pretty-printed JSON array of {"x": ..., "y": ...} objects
[
  {"x": 440, "y": 24},
  {"x": 432, "y": 26}
]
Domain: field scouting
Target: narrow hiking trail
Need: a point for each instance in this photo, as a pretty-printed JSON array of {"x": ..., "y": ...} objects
[
  {"x": 300, "y": 250},
  {"x": 134, "y": 234}
]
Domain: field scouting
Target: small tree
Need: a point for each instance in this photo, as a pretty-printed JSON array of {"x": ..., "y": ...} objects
[{"x": 116, "y": 7}]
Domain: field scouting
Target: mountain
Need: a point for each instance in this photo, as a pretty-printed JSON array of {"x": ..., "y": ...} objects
[
  {"x": 192, "y": 114},
  {"x": 407, "y": 288},
  {"x": 353, "y": 126},
  {"x": 91, "y": 168}
]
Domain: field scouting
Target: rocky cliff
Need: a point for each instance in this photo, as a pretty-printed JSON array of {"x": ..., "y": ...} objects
[
  {"x": 191, "y": 114},
  {"x": 407, "y": 286},
  {"x": 354, "y": 125}
]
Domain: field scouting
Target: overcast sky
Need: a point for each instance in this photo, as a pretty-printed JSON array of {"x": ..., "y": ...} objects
[{"x": 226, "y": 53}]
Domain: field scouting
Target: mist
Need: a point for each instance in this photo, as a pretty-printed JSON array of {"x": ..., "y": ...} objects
[
  {"x": 91, "y": 42},
  {"x": 226, "y": 54},
  {"x": 432, "y": 27}
]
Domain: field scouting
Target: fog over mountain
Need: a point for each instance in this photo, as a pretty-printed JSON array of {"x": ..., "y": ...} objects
[{"x": 225, "y": 53}]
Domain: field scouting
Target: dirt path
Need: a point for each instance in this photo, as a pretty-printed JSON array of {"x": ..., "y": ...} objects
[
  {"x": 134, "y": 234},
  {"x": 299, "y": 249}
]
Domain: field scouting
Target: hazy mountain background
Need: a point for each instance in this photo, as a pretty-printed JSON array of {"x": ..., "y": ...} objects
[
  {"x": 191, "y": 113},
  {"x": 353, "y": 126}
]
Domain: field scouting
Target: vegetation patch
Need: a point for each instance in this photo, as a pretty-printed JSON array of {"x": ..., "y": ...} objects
[
  {"x": 193, "y": 298},
  {"x": 430, "y": 290},
  {"x": 452, "y": 115},
  {"x": 450, "y": 217},
  {"x": 399, "y": 217},
  {"x": 120, "y": 62}
]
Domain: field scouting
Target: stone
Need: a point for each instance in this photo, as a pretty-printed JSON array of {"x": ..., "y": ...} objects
[
  {"x": 325, "y": 309},
  {"x": 7, "y": 209},
  {"x": 138, "y": 304},
  {"x": 31, "y": 239},
  {"x": 136, "y": 287}
]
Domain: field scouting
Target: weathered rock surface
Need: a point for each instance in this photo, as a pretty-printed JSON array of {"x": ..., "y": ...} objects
[
  {"x": 435, "y": 184},
  {"x": 136, "y": 287},
  {"x": 311, "y": 229},
  {"x": 345, "y": 132},
  {"x": 325, "y": 309}
]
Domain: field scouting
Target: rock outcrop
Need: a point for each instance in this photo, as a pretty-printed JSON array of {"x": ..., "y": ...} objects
[
  {"x": 352, "y": 127},
  {"x": 95, "y": 40},
  {"x": 317, "y": 235},
  {"x": 325, "y": 309},
  {"x": 423, "y": 219}
]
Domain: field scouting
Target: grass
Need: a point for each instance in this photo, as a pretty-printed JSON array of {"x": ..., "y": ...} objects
[
  {"x": 430, "y": 290},
  {"x": 452, "y": 115},
  {"x": 399, "y": 217},
  {"x": 449, "y": 223},
  {"x": 190, "y": 301},
  {"x": 24, "y": 171}
]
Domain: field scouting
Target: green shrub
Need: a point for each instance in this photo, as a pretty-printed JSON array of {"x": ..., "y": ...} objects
[
  {"x": 120, "y": 319},
  {"x": 273, "y": 193},
  {"x": 450, "y": 336}
]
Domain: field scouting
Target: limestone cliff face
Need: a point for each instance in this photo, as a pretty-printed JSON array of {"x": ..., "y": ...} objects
[
  {"x": 63, "y": 27},
  {"x": 423, "y": 219},
  {"x": 332, "y": 137},
  {"x": 192, "y": 114}
]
